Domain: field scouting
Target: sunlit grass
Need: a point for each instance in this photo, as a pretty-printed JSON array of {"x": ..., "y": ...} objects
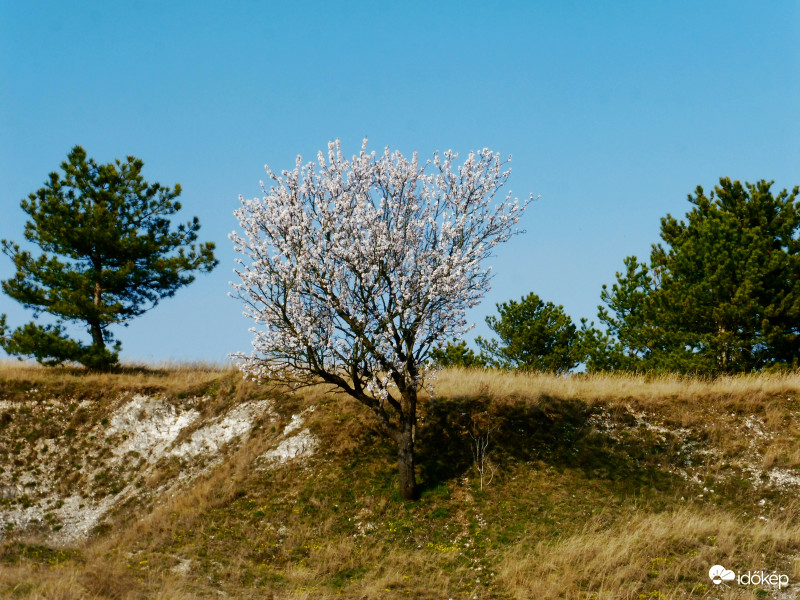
[
  {"x": 165, "y": 376},
  {"x": 657, "y": 388}
]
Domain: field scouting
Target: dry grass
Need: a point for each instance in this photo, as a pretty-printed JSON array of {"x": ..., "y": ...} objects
[
  {"x": 99, "y": 581},
  {"x": 652, "y": 388},
  {"x": 166, "y": 377},
  {"x": 37, "y": 582},
  {"x": 648, "y": 556}
]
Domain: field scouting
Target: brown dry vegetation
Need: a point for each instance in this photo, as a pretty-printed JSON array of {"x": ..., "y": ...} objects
[{"x": 603, "y": 487}]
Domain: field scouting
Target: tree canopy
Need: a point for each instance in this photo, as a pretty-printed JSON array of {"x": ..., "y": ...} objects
[
  {"x": 722, "y": 291},
  {"x": 534, "y": 335},
  {"x": 457, "y": 354},
  {"x": 108, "y": 255}
]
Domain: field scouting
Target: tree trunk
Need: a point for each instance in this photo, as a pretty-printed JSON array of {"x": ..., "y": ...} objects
[
  {"x": 97, "y": 335},
  {"x": 400, "y": 427},
  {"x": 94, "y": 324},
  {"x": 405, "y": 465},
  {"x": 405, "y": 445}
]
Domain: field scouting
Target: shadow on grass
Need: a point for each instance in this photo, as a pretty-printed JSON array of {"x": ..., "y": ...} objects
[{"x": 555, "y": 432}]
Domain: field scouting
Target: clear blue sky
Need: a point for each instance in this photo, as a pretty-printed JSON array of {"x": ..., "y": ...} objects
[{"x": 613, "y": 113}]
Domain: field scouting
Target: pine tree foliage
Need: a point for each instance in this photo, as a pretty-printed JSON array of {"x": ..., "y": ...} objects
[
  {"x": 457, "y": 354},
  {"x": 625, "y": 345},
  {"x": 729, "y": 297},
  {"x": 109, "y": 254},
  {"x": 722, "y": 291},
  {"x": 534, "y": 335}
]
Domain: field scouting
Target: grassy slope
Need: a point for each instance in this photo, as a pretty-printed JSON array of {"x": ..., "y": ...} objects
[{"x": 594, "y": 487}]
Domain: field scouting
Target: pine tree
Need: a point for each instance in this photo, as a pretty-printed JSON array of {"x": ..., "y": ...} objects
[
  {"x": 534, "y": 335},
  {"x": 108, "y": 255},
  {"x": 722, "y": 291},
  {"x": 729, "y": 297},
  {"x": 457, "y": 355}
]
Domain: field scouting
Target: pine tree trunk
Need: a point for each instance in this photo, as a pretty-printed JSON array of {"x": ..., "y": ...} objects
[
  {"x": 96, "y": 329},
  {"x": 97, "y": 335}
]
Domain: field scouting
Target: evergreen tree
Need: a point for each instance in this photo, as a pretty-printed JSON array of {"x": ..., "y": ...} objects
[
  {"x": 729, "y": 296},
  {"x": 108, "y": 255},
  {"x": 600, "y": 351},
  {"x": 722, "y": 292},
  {"x": 534, "y": 335},
  {"x": 457, "y": 355},
  {"x": 626, "y": 344}
]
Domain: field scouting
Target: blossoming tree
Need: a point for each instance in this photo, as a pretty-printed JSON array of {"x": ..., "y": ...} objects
[{"x": 356, "y": 269}]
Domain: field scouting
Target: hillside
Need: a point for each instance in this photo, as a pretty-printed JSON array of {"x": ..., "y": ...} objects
[{"x": 187, "y": 483}]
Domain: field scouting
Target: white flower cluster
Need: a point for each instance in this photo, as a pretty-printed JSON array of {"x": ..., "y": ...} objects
[{"x": 358, "y": 267}]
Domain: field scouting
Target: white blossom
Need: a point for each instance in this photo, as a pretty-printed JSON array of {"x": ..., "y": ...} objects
[{"x": 354, "y": 269}]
